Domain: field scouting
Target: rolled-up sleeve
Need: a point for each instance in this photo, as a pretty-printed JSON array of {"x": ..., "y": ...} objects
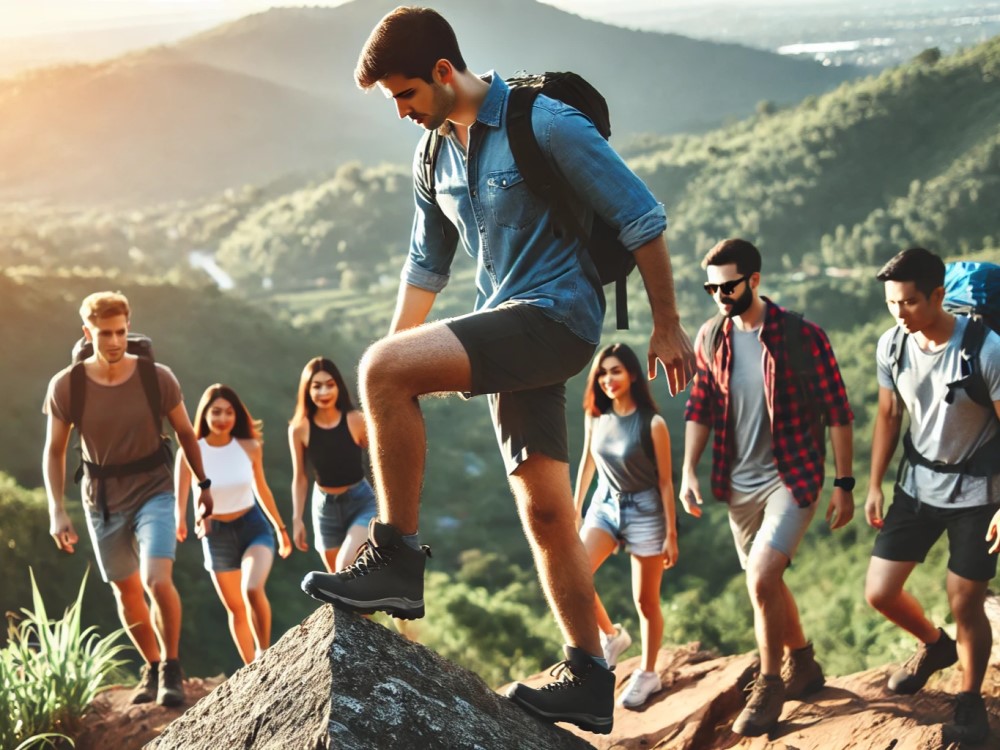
[
  {"x": 598, "y": 175},
  {"x": 433, "y": 238}
]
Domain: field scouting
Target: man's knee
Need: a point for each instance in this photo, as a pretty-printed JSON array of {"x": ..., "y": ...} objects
[
  {"x": 764, "y": 583},
  {"x": 967, "y": 604},
  {"x": 376, "y": 369}
]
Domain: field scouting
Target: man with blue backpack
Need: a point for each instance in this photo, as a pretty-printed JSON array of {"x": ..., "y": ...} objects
[
  {"x": 537, "y": 320},
  {"x": 943, "y": 368}
]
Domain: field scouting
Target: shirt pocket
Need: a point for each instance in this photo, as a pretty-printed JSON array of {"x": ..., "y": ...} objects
[{"x": 513, "y": 204}]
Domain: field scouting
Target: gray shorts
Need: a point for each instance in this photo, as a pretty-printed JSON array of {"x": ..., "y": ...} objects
[
  {"x": 634, "y": 519},
  {"x": 770, "y": 516},
  {"x": 522, "y": 359},
  {"x": 148, "y": 531}
]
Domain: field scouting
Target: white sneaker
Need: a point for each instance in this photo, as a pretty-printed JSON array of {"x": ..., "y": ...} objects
[
  {"x": 640, "y": 687},
  {"x": 615, "y": 645}
]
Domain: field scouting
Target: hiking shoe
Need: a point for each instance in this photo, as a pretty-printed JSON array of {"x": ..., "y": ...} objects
[
  {"x": 640, "y": 687},
  {"x": 615, "y": 645},
  {"x": 972, "y": 723},
  {"x": 582, "y": 694},
  {"x": 386, "y": 576},
  {"x": 801, "y": 673},
  {"x": 767, "y": 697},
  {"x": 171, "y": 692},
  {"x": 927, "y": 660},
  {"x": 149, "y": 681}
]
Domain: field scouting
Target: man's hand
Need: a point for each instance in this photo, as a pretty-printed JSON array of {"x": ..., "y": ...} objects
[
  {"x": 691, "y": 495},
  {"x": 994, "y": 533},
  {"x": 205, "y": 504},
  {"x": 672, "y": 347},
  {"x": 873, "y": 506},
  {"x": 841, "y": 509},
  {"x": 62, "y": 531}
]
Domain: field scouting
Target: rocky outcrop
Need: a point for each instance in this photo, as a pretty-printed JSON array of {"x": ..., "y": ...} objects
[{"x": 340, "y": 681}]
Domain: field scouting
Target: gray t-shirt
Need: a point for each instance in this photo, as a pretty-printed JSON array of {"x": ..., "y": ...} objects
[
  {"x": 941, "y": 431},
  {"x": 621, "y": 460},
  {"x": 117, "y": 428},
  {"x": 753, "y": 454}
]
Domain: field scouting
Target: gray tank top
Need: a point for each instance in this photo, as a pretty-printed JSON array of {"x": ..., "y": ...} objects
[
  {"x": 753, "y": 453},
  {"x": 621, "y": 460}
]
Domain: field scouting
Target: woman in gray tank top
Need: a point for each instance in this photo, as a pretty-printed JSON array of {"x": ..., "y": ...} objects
[{"x": 627, "y": 444}]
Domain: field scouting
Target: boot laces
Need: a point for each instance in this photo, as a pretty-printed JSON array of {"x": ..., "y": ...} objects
[
  {"x": 370, "y": 558},
  {"x": 565, "y": 677},
  {"x": 758, "y": 694}
]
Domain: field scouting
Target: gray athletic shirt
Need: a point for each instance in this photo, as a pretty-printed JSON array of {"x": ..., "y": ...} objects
[
  {"x": 616, "y": 445},
  {"x": 753, "y": 454},
  {"x": 941, "y": 431}
]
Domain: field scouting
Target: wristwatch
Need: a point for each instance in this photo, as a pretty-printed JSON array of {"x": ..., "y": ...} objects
[
  {"x": 845, "y": 483},
  {"x": 205, "y": 483}
]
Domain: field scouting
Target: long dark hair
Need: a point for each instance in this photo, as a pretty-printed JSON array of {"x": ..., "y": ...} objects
[
  {"x": 246, "y": 427},
  {"x": 596, "y": 401},
  {"x": 304, "y": 406}
]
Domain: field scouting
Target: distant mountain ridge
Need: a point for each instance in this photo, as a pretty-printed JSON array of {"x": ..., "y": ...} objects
[{"x": 273, "y": 93}]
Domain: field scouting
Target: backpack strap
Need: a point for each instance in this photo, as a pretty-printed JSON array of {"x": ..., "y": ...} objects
[
  {"x": 897, "y": 348},
  {"x": 972, "y": 380},
  {"x": 800, "y": 362},
  {"x": 77, "y": 394},
  {"x": 430, "y": 147},
  {"x": 151, "y": 387},
  {"x": 713, "y": 337}
]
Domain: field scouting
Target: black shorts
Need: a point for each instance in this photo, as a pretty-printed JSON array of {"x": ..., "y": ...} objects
[
  {"x": 522, "y": 358},
  {"x": 912, "y": 527}
]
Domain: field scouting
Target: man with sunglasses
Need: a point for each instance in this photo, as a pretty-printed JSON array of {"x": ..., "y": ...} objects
[{"x": 766, "y": 382}]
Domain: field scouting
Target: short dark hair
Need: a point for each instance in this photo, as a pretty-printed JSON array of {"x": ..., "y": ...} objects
[
  {"x": 407, "y": 42},
  {"x": 916, "y": 264},
  {"x": 734, "y": 250}
]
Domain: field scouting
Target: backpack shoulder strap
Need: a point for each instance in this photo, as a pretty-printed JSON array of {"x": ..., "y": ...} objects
[
  {"x": 795, "y": 344},
  {"x": 430, "y": 147},
  {"x": 972, "y": 373},
  {"x": 713, "y": 337},
  {"x": 77, "y": 393},
  {"x": 897, "y": 347},
  {"x": 151, "y": 386}
]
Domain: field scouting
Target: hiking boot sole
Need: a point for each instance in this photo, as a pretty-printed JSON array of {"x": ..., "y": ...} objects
[
  {"x": 170, "y": 700},
  {"x": 399, "y": 607},
  {"x": 586, "y": 722},
  {"x": 751, "y": 730}
]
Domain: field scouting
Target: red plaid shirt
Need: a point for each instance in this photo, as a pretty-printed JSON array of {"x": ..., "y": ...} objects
[{"x": 797, "y": 436}]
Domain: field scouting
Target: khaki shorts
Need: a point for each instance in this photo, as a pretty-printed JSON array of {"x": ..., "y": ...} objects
[
  {"x": 768, "y": 516},
  {"x": 522, "y": 359}
]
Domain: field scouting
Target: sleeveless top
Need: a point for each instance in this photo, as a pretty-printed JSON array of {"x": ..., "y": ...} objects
[
  {"x": 621, "y": 460},
  {"x": 333, "y": 454},
  {"x": 231, "y": 471}
]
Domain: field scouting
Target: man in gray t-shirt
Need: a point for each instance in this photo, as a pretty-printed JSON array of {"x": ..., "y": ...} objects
[
  {"x": 117, "y": 402},
  {"x": 947, "y": 481}
]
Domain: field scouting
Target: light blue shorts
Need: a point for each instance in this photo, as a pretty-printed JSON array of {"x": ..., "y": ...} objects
[
  {"x": 333, "y": 515},
  {"x": 634, "y": 519},
  {"x": 227, "y": 541},
  {"x": 148, "y": 531}
]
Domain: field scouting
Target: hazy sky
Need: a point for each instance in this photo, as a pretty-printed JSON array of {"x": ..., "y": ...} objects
[{"x": 30, "y": 17}]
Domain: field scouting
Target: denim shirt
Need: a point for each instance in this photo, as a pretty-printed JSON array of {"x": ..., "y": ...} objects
[{"x": 482, "y": 201}]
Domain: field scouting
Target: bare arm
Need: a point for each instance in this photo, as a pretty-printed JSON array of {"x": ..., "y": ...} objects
[
  {"x": 841, "y": 508},
  {"x": 885, "y": 438},
  {"x": 584, "y": 474},
  {"x": 256, "y": 452},
  {"x": 357, "y": 427},
  {"x": 413, "y": 305},
  {"x": 669, "y": 343},
  {"x": 300, "y": 483},
  {"x": 695, "y": 439},
  {"x": 179, "y": 420},
  {"x": 182, "y": 490},
  {"x": 54, "y": 473},
  {"x": 664, "y": 469},
  {"x": 993, "y": 532}
]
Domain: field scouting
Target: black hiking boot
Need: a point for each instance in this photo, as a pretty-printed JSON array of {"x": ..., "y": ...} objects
[
  {"x": 972, "y": 723},
  {"x": 149, "y": 681},
  {"x": 583, "y": 694},
  {"x": 927, "y": 660},
  {"x": 386, "y": 576},
  {"x": 171, "y": 692}
]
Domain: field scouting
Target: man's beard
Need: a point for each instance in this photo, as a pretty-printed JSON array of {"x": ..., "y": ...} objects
[{"x": 742, "y": 303}]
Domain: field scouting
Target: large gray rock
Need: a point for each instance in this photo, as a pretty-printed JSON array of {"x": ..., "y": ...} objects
[{"x": 341, "y": 681}]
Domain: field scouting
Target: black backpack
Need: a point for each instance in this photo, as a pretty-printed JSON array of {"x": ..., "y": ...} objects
[
  {"x": 610, "y": 261},
  {"x": 142, "y": 347}
]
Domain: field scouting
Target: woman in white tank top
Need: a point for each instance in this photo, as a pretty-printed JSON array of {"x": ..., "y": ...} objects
[{"x": 237, "y": 540}]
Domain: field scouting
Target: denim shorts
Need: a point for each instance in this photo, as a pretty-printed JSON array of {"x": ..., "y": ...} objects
[
  {"x": 227, "y": 541},
  {"x": 911, "y": 528},
  {"x": 768, "y": 515},
  {"x": 634, "y": 519},
  {"x": 148, "y": 531},
  {"x": 333, "y": 514}
]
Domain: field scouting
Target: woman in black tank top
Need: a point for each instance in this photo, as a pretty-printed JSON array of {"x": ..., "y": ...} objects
[{"x": 326, "y": 436}]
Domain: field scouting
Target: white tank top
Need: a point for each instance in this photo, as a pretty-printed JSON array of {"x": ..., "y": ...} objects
[{"x": 231, "y": 471}]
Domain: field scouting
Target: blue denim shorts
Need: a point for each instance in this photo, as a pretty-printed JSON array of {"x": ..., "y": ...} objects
[
  {"x": 148, "y": 531},
  {"x": 227, "y": 541},
  {"x": 333, "y": 514},
  {"x": 634, "y": 519}
]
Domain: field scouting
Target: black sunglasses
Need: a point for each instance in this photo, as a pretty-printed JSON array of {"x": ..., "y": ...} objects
[{"x": 726, "y": 287}]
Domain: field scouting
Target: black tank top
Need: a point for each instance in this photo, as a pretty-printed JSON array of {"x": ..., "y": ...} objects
[{"x": 335, "y": 457}]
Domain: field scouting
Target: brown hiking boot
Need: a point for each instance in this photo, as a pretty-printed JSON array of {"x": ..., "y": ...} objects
[
  {"x": 927, "y": 660},
  {"x": 767, "y": 697},
  {"x": 149, "y": 681},
  {"x": 801, "y": 673}
]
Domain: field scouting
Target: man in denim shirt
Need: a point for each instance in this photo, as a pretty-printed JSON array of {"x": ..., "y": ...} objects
[{"x": 537, "y": 322}]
